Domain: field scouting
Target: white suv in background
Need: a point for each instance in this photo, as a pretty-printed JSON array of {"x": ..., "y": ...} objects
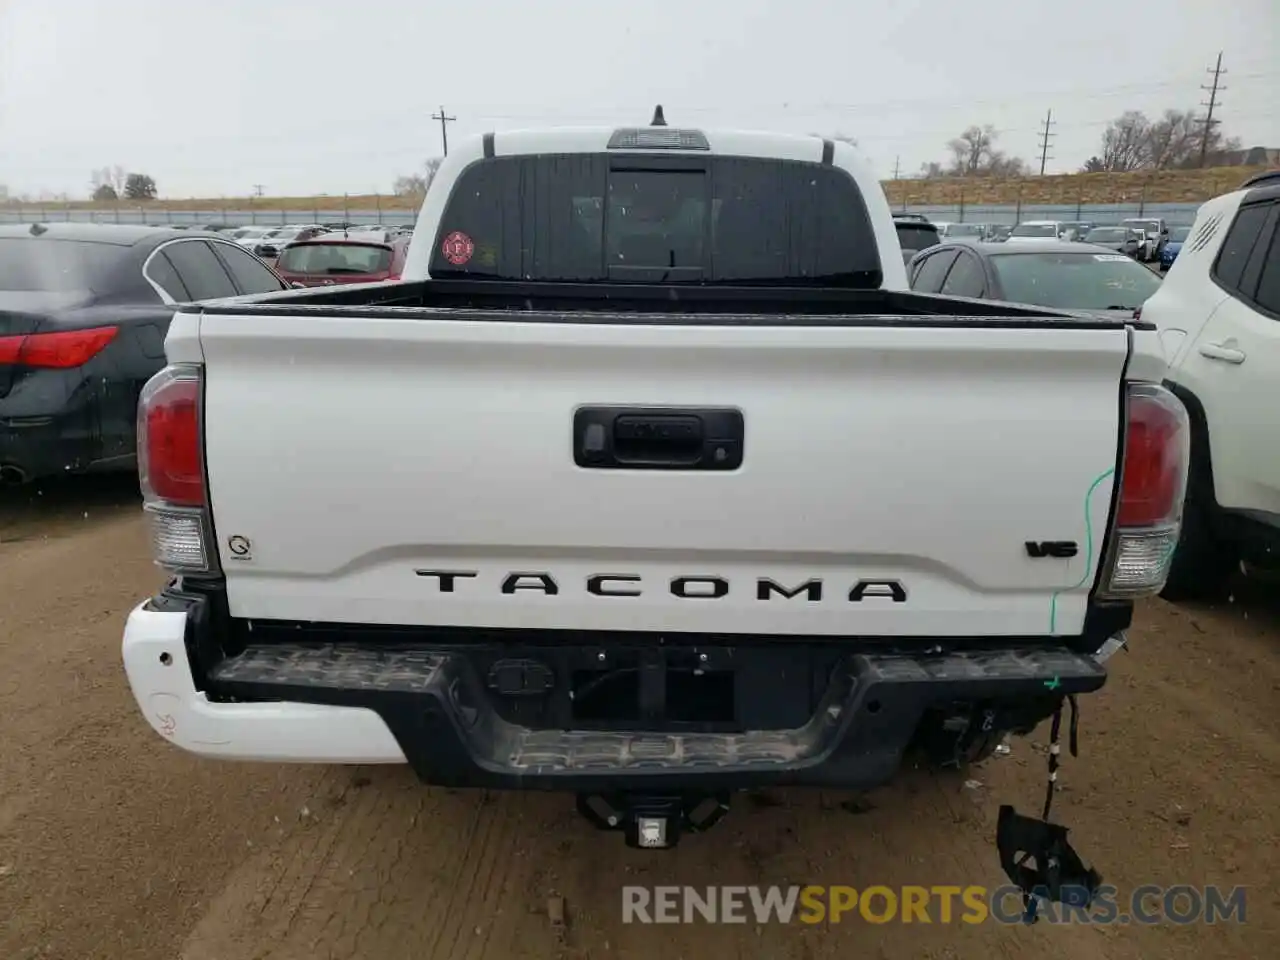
[{"x": 1218, "y": 312}]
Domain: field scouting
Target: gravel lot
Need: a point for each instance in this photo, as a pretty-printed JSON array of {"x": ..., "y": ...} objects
[{"x": 113, "y": 844}]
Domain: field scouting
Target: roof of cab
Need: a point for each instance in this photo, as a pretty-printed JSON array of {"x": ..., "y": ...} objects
[
  {"x": 1024, "y": 247},
  {"x": 121, "y": 234},
  {"x": 752, "y": 143}
]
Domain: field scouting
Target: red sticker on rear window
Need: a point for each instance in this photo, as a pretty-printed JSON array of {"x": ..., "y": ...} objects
[{"x": 457, "y": 248}]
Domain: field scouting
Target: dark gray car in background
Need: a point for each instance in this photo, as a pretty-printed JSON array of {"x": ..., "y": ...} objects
[
  {"x": 1046, "y": 273},
  {"x": 84, "y": 309}
]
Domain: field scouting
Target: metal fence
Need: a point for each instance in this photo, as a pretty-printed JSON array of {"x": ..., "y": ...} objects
[{"x": 1178, "y": 213}]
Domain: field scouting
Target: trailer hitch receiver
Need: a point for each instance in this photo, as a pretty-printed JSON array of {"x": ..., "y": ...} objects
[{"x": 652, "y": 821}]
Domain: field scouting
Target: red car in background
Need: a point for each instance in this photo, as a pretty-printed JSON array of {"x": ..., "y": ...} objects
[{"x": 336, "y": 258}]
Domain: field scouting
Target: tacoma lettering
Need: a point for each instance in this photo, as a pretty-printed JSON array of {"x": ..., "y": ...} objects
[
  {"x": 599, "y": 585},
  {"x": 689, "y": 587},
  {"x": 539, "y": 582},
  {"x": 700, "y": 588},
  {"x": 447, "y": 578},
  {"x": 812, "y": 589}
]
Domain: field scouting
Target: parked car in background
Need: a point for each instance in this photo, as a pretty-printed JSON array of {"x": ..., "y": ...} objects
[
  {"x": 1177, "y": 236},
  {"x": 961, "y": 231},
  {"x": 1124, "y": 240},
  {"x": 1075, "y": 230},
  {"x": 1156, "y": 230},
  {"x": 1218, "y": 316},
  {"x": 274, "y": 241},
  {"x": 1051, "y": 273},
  {"x": 997, "y": 232},
  {"x": 334, "y": 258},
  {"x": 1033, "y": 230},
  {"x": 249, "y": 237},
  {"x": 84, "y": 309},
  {"x": 915, "y": 233}
]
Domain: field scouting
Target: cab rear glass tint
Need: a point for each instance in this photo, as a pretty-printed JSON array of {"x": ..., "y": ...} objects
[
  {"x": 329, "y": 258},
  {"x": 586, "y": 217}
]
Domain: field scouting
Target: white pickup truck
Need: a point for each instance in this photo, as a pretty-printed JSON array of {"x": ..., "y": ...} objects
[{"x": 660, "y": 486}]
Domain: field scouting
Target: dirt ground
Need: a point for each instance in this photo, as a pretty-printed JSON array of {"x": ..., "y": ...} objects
[{"x": 113, "y": 844}]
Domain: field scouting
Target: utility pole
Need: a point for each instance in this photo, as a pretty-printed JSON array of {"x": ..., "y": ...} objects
[
  {"x": 1045, "y": 137},
  {"x": 257, "y": 189},
  {"x": 1214, "y": 90},
  {"x": 896, "y": 167},
  {"x": 444, "y": 129}
]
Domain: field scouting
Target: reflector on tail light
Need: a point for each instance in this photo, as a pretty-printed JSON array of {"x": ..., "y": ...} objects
[
  {"x": 58, "y": 350},
  {"x": 171, "y": 470},
  {"x": 1153, "y": 484}
]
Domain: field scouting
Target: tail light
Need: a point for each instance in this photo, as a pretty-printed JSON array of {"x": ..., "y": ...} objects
[
  {"x": 1153, "y": 483},
  {"x": 171, "y": 470},
  {"x": 59, "y": 350}
]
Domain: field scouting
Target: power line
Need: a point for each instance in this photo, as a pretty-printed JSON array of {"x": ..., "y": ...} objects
[
  {"x": 1209, "y": 122},
  {"x": 1045, "y": 137},
  {"x": 444, "y": 128}
]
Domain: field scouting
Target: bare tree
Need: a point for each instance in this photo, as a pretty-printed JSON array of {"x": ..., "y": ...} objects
[
  {"x": 114, "y": 177},
  {"x": 932, "y": 170},
  {"x": 416, "y": 184},
  {"x": 104, "y": 193},
  {"x": 1094, "y": 165},
  {"x": 1133, "y": 141},
  {"x": 1126, "y": 142},
  {"x": 1173, "y": 140},
  {"x": 974, "y": 154}
]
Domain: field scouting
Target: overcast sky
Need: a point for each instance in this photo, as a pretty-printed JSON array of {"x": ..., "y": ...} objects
[{"x": 329, "y": 96}]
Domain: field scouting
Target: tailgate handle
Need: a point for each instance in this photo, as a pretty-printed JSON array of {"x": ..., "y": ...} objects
[{"x": 661, "y": 439}]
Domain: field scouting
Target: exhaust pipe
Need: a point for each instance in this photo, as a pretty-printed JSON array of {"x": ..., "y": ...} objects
[{"x": 11, "y": 476}]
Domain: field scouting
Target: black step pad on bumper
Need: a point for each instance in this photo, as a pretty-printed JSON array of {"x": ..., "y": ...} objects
[{"x": 439, "y": 711}]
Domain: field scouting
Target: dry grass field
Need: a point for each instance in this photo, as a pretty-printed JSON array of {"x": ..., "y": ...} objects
[{"x": 1174, "y": 186}]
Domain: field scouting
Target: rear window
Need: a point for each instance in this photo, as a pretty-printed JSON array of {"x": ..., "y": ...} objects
[
  {"x": 335, "y": 258},
  {"x": 584, "y": 217},
  {"x": 58, "y": 265},
  {"x": 1107, "y": 235},
  {"x": 1034, "y": 230},
  {"x": 916, "y": 236}
]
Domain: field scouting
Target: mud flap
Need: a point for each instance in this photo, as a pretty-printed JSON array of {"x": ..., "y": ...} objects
[{"x": 1059, "y": 875}]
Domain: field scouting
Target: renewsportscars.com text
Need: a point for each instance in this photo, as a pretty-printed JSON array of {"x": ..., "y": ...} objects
[{"x": 1147, "y": 904}]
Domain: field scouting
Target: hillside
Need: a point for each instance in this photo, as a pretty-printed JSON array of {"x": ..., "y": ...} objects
[
  {"x": 1172, "y": 186},
  {"x": 1176, "y": 186}
]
